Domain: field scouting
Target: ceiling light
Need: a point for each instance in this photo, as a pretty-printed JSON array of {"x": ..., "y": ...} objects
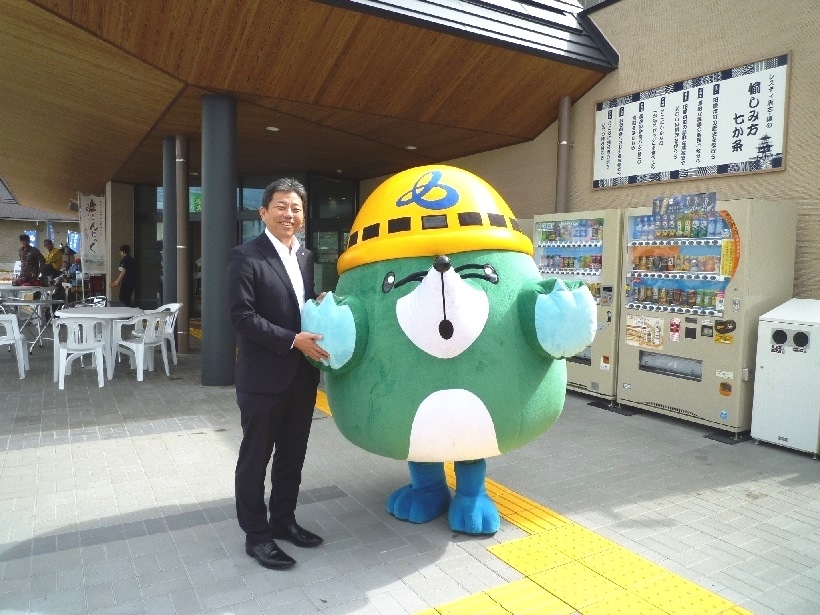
[
  {"x": 338, "y": 170},
  {"x": 410, "y": 147},
  {"x": 271, "y": 128}
]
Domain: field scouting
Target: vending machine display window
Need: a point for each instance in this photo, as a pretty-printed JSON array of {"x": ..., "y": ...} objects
[
  {"x": 587, "y": 246},
  {"x": 681, "y": 257},
  {"x": 572, "y": 248}
]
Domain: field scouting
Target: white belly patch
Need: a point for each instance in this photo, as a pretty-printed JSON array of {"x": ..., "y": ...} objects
[{"x": 452, "y": 425}]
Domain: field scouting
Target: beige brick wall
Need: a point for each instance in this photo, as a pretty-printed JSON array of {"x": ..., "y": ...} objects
[{"x": 659, "y": 42}]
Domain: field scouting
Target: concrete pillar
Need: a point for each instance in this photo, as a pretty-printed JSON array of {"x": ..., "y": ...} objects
[
  {"x": 562, "y": 171},
  {"x": 219, "y": 185},
  {"x": 183, "y": 253},
  {"x": 169, "y": 221}
]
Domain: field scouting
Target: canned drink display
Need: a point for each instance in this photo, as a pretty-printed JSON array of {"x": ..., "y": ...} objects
[
  {"x": 677, "y": 294},
  {"x": 660, "y": 261},
  {"x": 691, "y": 298},
  {"x": 710, "y": 263}
]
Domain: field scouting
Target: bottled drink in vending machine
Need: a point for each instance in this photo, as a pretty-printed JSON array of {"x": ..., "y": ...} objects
[
  {"x": 637, "y": 233},
  {"x": 711, "y": 225}
]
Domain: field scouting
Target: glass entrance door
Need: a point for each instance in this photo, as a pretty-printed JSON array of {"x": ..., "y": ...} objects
[{"x": 332, "y": 207}]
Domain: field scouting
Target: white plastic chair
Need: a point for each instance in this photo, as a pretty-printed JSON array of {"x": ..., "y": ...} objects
[
  {"x": 10, "y": 336},
  {"x": 82, "y": 336},
  {"x": 171, "y": 313},
  {"x": 152, "y": 325}
]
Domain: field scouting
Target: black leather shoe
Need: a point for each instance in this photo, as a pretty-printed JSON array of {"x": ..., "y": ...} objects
[
  {"x": 269, "y": 555},
  {"x": 297, "y": 535}
]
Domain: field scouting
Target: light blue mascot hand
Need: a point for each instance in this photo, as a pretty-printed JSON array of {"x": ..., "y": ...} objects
[
  {"x": 342, "y": 323},
  {"x": 559, "y": 318}
]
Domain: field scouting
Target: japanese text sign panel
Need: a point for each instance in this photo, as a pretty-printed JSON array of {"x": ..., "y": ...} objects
[
  {"x": 92, "y": 227},
  {"x": 727, "y": 122}
]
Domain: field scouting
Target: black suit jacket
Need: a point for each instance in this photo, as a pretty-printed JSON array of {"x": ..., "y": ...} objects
[{"x": 265, "y": 314}]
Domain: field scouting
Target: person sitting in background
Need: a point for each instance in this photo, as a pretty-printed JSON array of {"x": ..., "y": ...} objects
[
  {"x": 31, "y": 263},
  {"x": 68, "y": 255},
  {"x": 74, "y": 269},
  {"x": 53, "y": 260}
]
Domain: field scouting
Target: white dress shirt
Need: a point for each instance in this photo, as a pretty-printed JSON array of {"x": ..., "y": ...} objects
[{"x": 288, "y": 257}]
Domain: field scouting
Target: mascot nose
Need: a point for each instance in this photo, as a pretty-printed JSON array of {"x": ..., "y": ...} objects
[
  {"x": 441, "y": 264},
  {"x": 445, "y": 327}
]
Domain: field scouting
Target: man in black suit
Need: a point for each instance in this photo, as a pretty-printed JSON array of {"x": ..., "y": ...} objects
[{"x": 269, "y": 279}]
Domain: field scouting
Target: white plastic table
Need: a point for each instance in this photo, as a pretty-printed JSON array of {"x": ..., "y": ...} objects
[{"x": 109, "y": 314}]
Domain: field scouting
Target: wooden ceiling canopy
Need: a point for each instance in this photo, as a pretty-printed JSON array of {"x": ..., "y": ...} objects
[{"x": 91, "y": 88}]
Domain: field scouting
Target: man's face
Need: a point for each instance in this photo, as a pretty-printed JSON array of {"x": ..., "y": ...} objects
[
  {"x": 283, "y": 216},
  {"x": 24, "y": 245}
]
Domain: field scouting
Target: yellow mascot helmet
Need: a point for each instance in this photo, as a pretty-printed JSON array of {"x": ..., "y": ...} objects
[{"x": 429, "y": 211}]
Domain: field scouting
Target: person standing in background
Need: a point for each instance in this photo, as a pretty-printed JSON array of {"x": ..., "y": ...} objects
[
  {"x": 31, "y": 263},
  {"x": 127, "y": 279}
]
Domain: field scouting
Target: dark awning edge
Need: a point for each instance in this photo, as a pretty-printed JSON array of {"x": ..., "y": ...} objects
[
  {"x": 510, "y": 26},
  {"x": 10, "y": 209}
]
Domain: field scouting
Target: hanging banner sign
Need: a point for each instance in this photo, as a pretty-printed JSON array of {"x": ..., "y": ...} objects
[
  {"x": 728, "y": 122},
  {"x": 92, "y": 229}
]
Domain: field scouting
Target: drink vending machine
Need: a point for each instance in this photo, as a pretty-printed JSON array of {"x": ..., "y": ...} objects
[
  {"x": 586, "y": 246},
  {"x": 699, "y": 274}
]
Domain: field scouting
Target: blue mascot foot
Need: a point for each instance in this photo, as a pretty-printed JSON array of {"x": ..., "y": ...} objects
[
  {"x": 472, "y": 511},
  {"x": 426, "y": 498}
]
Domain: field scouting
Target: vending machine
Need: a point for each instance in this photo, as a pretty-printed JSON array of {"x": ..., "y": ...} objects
[
  {"x": 699, "y": 274},
  {"x": 587, "y": 246}
]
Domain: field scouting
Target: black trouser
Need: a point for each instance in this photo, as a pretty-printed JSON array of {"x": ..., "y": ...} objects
[
  {"x": 126, "y": 294},
  {"x": 277, "y": 424}
]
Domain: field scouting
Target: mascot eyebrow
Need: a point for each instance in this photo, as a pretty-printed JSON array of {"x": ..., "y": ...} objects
[{"x": 487, "y": 273}]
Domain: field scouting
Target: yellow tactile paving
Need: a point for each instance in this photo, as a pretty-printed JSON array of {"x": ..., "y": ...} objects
[
  {"x": 623, "y": 604},
  {"x": 577, "y": 541},
  {"x": 477, "y": 604},
  {"x": 321, "y": 402},
  {"x": 571, "y": 569},
  {"x": 530, "y": 555},
  {"x": 526, "y": 597},
  {"x": 624, "y": 568},
  {"x": 577, "y": 585}
]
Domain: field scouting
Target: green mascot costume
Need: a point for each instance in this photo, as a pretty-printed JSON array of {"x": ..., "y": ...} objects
[{"x": 445, "y": 343}]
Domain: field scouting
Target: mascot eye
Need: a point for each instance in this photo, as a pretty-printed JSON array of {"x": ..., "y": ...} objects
[
  {"x": 390, "y": 280},
  {"x": 488, "y": 272}
]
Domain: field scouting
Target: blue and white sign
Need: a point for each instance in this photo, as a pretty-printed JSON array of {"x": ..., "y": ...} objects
[{"x": 728, "y": 122}]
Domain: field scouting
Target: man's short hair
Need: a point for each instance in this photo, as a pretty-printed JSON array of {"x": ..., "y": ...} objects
[
  {"x": 284, "y": 184},
  {"x": 25, "y": 238},
  {"x": 125, "y": 248}
]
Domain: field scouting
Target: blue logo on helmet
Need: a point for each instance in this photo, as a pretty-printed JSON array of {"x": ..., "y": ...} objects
[{"x": 429, "y": 193}]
